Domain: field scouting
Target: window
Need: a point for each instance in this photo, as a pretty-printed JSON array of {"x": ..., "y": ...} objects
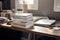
[
  {"x": 57, "y": 5},
  {"x": 32, "y": 5},
  {"x": 26, "y": 1}
]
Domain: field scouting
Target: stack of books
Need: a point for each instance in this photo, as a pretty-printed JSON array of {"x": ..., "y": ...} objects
[{"x": 23, "y": 20}]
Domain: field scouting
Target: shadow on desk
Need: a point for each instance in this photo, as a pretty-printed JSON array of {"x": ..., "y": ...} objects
[{"x": 7, "y": 34}]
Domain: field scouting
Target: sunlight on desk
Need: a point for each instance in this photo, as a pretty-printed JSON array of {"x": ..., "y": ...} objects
[
  {"x": 39, "y": 29},
  {"x": 5, "y": 24},
  {"x": 42, "y": 29}
]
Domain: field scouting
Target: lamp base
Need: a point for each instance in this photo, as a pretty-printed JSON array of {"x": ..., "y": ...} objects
[{"x": 25, "y": 8}]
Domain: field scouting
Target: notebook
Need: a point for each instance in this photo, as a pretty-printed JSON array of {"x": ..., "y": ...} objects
[
  {"x": 36, "y": 18},
  {"x": 44, "y": 22}
]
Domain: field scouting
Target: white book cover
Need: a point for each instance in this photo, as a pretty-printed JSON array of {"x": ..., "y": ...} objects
[
  {"x": 44, "y": 22},
  {"x": 27, "y": 25},
  {"x": 20, "y": 17},
  {"x": 24, "y": 14},
  {"x": 20, "y": 23},
  {"x": 22, "y": 20}
]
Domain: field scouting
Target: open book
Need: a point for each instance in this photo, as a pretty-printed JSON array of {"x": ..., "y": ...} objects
[{"x": 44, "y": 22}]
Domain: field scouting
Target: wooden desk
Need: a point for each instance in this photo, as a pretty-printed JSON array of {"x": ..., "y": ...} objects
[{"x": 36, "y": 30}]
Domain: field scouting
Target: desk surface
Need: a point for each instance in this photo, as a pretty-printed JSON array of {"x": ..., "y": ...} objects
[{"x": 36, "y": 29}]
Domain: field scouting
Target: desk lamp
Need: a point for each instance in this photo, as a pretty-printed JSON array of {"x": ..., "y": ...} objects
[{"x": 25, "y": 4}]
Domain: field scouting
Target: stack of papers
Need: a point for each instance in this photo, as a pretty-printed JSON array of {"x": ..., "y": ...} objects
[
  {"x": 23, "y": 20},
  {"x": 45, "y": 22}
]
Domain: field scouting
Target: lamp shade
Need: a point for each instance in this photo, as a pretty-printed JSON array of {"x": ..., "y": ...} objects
[{"x": 26, "y": 1}]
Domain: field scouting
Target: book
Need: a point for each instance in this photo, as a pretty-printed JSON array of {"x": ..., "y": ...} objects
[
  {"x": 27, "y": 25},
  {"x": 45, "y": 22},
  {"x": 24, "y": 21},
  {"x": 22, "y": 16},
  {"x": 35, "y": 18}
]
